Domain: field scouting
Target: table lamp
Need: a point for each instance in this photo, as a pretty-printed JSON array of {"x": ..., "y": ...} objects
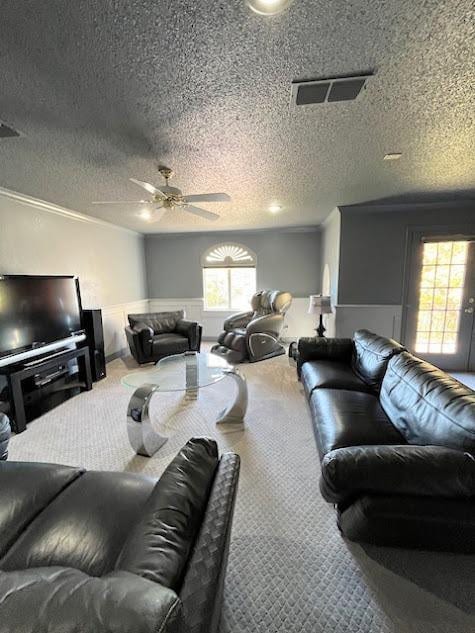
[{"x": 320, "y": 304}]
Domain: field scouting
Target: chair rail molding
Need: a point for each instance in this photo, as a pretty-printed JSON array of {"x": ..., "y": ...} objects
[
  {"x": 297, "y": 321},
  {"x": 383, "y": 319}
]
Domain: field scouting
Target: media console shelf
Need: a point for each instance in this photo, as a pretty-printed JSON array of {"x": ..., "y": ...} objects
[{"x": 42, "y": 384}]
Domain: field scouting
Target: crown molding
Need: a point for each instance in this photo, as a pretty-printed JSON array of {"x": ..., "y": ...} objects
[{"x": 56, "y": 209}]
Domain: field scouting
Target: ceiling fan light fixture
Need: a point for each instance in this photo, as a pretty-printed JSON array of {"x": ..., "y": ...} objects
[
  {"x": 145, "y": 214},
  {"x": 268, "y": 7}
]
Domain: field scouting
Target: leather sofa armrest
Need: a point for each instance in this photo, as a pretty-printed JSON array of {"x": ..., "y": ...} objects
[
  {"x": 320, "y": 348},
  {"x": 239, "y": 320},
  {"x": 144, "y": 331},
  {"x": 159, "y": 546},
  {"x": 426, "y": 471},
  {"x": 139, "y": 339},
  {"x": 202, "y": 588},
  {"x": 192, "y": 330}
]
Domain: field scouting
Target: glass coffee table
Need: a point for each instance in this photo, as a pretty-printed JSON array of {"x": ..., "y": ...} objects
[{"x": 188, "y": 372}]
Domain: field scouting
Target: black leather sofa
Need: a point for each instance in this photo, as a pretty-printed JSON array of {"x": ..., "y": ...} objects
[
  {"x": 107, "y": 552},
  {"x": 154, "y": 335},
  {"x": 396, "y": 440}
]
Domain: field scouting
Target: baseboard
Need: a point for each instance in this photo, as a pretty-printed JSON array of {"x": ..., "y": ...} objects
[{"x": 119, "y": 354}]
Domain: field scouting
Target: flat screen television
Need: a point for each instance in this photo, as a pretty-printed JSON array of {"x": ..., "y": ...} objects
[{"x": 37, "y": 313}]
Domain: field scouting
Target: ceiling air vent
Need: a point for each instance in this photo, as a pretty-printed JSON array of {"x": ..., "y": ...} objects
[
  {"x": 7, "y": 132},
  {"x": 327, "y": 90}
]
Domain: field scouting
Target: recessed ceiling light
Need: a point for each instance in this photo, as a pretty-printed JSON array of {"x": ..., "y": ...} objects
[
  {"x": 275, "y": 208},
  {"x": 268, "y": 7},
  {"x": 145, "y": 214},
  {"x": 393, "y": 156}
]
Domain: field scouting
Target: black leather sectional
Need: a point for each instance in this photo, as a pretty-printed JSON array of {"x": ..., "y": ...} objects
[
  {"x": 154, "y": 335},
  {"x": 396, "y": 440},
  {"x": 116, "y": 552}
]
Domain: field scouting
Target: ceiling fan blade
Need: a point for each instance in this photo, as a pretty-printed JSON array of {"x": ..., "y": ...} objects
[
  {"x": 208, "y": 215},
  {"x": 148, "y": 187},
  {"x": 208, "y": 197},
  {"x": 121, "y": 202}
]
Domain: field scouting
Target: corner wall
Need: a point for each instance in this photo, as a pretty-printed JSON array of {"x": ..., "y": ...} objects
[
  {"x": 42, "y": 239},
  {"x": 374, "y": 240},
  {"x": 330, "y": 265}
]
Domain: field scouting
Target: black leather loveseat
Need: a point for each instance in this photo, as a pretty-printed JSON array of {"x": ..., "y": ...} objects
[
  {"x": 396, "y": 439},
  {"x": 106, "y": 552},
  {"x": 154, "y": 335}
]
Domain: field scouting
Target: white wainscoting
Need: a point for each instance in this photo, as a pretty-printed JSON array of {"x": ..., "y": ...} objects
[
  {"x": 298, "y": 322},
  {"x": 382, "y": 319},
  {"x": 114, "y": 319}
]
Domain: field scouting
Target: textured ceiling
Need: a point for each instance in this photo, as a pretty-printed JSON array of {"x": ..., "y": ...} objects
[{"x": 105, "y": 90}]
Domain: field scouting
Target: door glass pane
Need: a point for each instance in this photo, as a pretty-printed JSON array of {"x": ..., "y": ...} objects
[
  {"x": 440, "y": 297},
  {"x": 243, "y": 286},
  {"x": 215, "y": 286}
]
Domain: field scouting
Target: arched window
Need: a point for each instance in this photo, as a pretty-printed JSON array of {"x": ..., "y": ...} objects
[{"x": 229, "y": 277}]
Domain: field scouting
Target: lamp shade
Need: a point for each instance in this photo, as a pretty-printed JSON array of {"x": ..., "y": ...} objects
[{"x": 319, "y": 304}]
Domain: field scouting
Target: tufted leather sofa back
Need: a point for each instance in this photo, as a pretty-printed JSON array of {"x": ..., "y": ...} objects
[
  {"x": 160, "y": 322},
  {"x": 426, "y": 405},
  {"x": 371, "y": 355}
]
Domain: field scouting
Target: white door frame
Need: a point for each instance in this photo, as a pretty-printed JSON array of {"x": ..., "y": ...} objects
[{"x": 413, "y": 235}]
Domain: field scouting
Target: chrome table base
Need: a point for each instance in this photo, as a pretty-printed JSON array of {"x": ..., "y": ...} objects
[
  {"x": 146, "y": 441},
  {"x": 142, "y": 437},
  {"x": 235, "y": 413}
]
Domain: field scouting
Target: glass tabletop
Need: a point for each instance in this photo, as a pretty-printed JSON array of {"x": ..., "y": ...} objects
[{"x": 181, "y": 371}]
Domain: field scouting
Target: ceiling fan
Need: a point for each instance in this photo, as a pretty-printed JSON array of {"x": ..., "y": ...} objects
[{"x": 171, "y": 197}]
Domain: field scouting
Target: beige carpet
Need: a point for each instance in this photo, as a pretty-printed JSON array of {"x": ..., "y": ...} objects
[{"x": 289, "y": 569}]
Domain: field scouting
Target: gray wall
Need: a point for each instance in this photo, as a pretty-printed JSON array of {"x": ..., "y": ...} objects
[
  {"x": 109, "y": 261},
  {"x": 287, "y": 260},
  {"x": 373, "y": 246}
]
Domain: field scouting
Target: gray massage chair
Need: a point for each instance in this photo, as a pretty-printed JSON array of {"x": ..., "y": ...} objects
[{"x": 252, "y": 336}]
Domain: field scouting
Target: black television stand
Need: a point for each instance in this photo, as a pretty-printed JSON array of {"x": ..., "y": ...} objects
[{"x": 38, "y": 386}]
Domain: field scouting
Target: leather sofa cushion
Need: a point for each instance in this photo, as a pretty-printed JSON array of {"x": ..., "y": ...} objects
[
  {"x": 160, "y": 322},
  {"x": 26, "y": 489},
  {"x": 164, "y": 344},
  {"x": 408, "y": 521},
  {"x": 329, "y": 374},
  {"x": 371, "y": 356},
  {"x": 84, "y": 526},
  {"x": 349, "y": 418},
  {"x": 432, "y": 471},
  {"x": 427, "y": 405},
  {"x": 64, "y": 600},
  {"x": 158, "y": 547}
]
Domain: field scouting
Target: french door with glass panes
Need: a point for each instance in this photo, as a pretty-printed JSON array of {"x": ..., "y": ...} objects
[{"x": 440, "y": 313}]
